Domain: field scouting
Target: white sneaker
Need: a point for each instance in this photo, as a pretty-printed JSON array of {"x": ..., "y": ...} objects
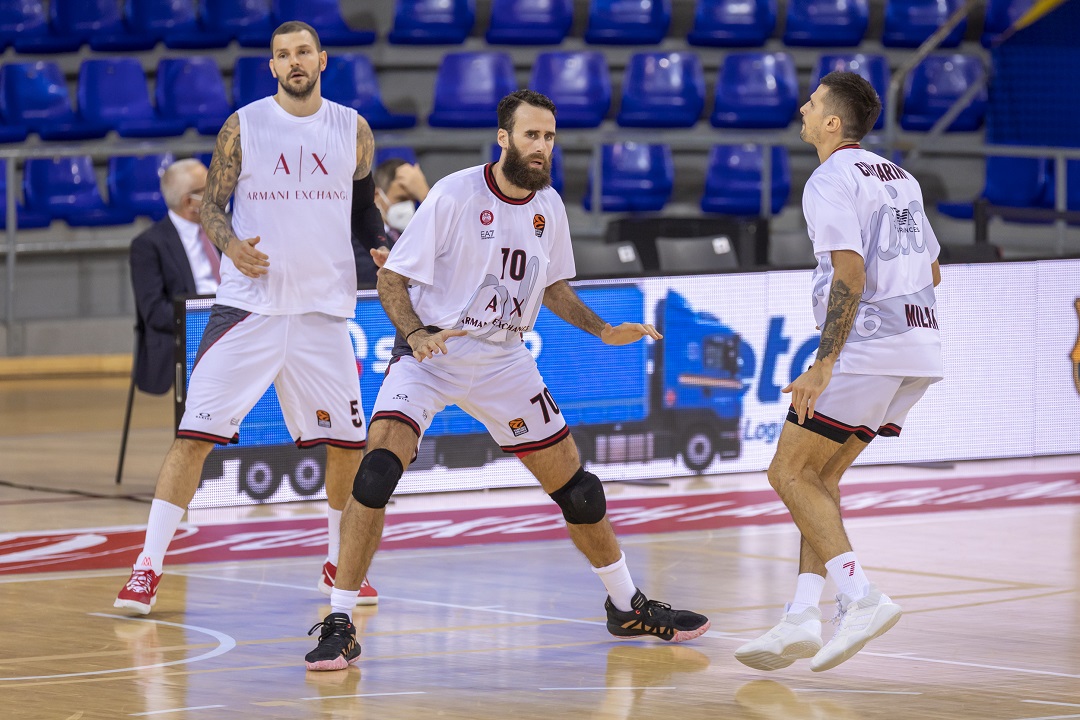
[
  {"x": 860, "y": 622},
  {"x": 787, "y": 642}
]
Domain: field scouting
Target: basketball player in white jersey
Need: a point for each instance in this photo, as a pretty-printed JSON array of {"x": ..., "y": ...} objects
[
  {"x": 880, "y": 350},
  {"x": 463, "y": 282},
  {"x": 298, "y": 169}
]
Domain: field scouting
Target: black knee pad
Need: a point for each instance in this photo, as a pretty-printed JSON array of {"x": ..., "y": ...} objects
[
  {"x": 582, "y": 499},
  {"x": 377, "y": 479}
]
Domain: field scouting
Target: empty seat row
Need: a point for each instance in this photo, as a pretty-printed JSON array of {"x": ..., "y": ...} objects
[
  {"x": 635, "y": 177},
  {"x": 1021, "y": 182},
  {"x": 753, "y": 89},
  {"x": 113, "y": 94},
  {"x": 69, "y": 24}
]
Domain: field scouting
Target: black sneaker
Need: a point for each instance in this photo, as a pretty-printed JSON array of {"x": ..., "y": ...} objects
[
  {"x": 337, "y": 644},
  {"x": 649, "y": 617}
]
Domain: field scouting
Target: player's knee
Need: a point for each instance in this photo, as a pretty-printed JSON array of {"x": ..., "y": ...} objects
[
  {"x": 582, "y": 499},
  {"x": 380, "y": 471}
]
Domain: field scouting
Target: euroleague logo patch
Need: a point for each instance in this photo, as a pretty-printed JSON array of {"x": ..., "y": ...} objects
[
  {"x": 1075, "y": 355},
  {"x": 323, "y": 418},
  {"x": 539, "y": 223},
  {"x": 486, "y": 217},
  {"x": 518, "y": 426}
]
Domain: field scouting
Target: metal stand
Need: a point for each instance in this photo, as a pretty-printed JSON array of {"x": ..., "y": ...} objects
[{"x": 127, "y": 417}]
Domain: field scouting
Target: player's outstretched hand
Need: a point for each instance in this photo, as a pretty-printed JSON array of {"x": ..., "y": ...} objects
[
  {"x": 627, "y": 333},
  {"x": 424, "y": 344},
  {"x": 251, "y": 262},
  {"x": 379, "y": 255},
  {"x": 807, "y": 388}
]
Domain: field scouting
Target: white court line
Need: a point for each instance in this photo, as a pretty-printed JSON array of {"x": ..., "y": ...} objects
[
  {"x": 1052, "y": 717},
  {"x": 1051, "y": 702},
  {"x": 857, "y": 692},
  {"x": 645, "y": 687},
  {"x": 335, "y": 697},
  {"x": 225, "y": 644},
  {"x": 162, "y": 712}
]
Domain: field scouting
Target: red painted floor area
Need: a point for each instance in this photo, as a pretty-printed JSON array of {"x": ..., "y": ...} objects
[{"x": 97, "y": 548}]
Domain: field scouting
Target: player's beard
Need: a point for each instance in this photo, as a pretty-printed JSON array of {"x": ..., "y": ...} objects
[
  {"x": 523, "y": 175},
  {"x": 304, "y": 92}
]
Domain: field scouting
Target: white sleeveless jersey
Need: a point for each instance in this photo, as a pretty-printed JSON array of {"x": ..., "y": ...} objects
[
  {"x": 295, "y": 193},
  {"x": 859, "y": 201},
  {"x": 479, "y": 260}
]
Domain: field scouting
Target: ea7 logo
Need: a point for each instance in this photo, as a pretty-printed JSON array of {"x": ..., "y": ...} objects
[
  {"x": 850, "y": 567},
  {"x": 283, "y": 165},
  {"x": 539, "y": 223}
]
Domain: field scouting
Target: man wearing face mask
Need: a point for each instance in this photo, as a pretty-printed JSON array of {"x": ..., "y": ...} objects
[{"x": 399, "y": 186}]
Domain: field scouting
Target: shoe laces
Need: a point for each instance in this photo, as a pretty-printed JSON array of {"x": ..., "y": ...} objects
[
  {"x": 651, "y": 606},
  {"x": 141, "y": 581},
  {"x": 841, "y": 611},
  {"x": 329, "y": 627}
]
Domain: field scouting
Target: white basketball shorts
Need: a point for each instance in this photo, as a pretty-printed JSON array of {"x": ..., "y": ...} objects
[
  {"x": 498, "y": 384},
  {"x": 864, "y": 406},
  {"x": 308, "y": 358}
]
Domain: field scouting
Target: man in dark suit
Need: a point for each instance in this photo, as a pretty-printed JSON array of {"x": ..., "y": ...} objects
[{"x": 171, "y": 258}]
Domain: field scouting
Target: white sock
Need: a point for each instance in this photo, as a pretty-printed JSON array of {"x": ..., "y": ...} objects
[
  {"x": 333, "y": 535},
  {"x": 343, "y": 601},
  {"x": 160, "y": 528},
  {"x": 620, "y": 586},
  {"x": 848, "y": 575},
  {"x": 807, "y": 592}
]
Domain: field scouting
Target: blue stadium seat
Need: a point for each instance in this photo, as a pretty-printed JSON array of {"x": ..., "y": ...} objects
[
  {"x": 578, "y": 84},
  {"x": 114, "y": 93},
  {"x": 1000, "y": 16},
  {"x": 556, "y": 165},
  {"x": 176, "y": 22},
  {"x": 71, "y": 24},
  {"x": 35, "y": 95},
  {"x": 24, "y": 218},
  {"x": 1010, "y": 182},
  {"x": 135, "y": 184},
  {"x": 826, "y": 23},
  {"x": 662, "y": 89},
  {"x": 932, "y": 87},
  {"x": 756, "y": 90},
  {"x": 67, "y": 188},
  {"x": 192, "y": 89},
  {"x": 382, "y": 154},
  {"x": 25, "y": 18},
  {"x": 251, "y": 80},
  {"x": 635, "y": 178},
  {"x": 733, "y": 180},
  {"x": 908, "y": 23},
  {"x": 432, "y": 22},
  {"x": 872, "y": 67},
  {"x": 733, "y": 23},
  {"x": 468, "y": 88},
  {"x": 325, "y": 17},
  {"x": 350, "y": 80},
  {"x": 628, "y": 22},
  {"x": 250, "y": 22},
  {"x": 529, "y": 22}
]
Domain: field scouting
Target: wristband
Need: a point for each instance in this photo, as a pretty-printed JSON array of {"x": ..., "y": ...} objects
[{"x": 430, "y": 328}]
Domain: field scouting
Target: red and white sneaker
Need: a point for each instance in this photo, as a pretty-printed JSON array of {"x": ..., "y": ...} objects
[
  {"x": 140, "y": 591},
  {"x": 367, "y": 595}
]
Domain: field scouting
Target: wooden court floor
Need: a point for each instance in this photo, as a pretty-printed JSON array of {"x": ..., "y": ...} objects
[{"x": 991, "y": 626}]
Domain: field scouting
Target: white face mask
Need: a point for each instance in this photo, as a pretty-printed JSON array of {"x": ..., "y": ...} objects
[{"x": 399, "y": 214}]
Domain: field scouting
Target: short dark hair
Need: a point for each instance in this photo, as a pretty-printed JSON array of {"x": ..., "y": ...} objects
[
  {"x": 854, "y": 100},
  {"x": 294, "y": 26},
  {"x": 384, "y": 173},
  {"x": 509, "y": 104}
]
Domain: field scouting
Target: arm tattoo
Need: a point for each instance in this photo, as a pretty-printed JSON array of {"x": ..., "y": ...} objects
[
  {"x": 365, "y": 148},
  {"x": 220, "y": 183},
  {"x": 843, "y": 305},
  {"x": 561, "y": 299},
  {"x": 394, "y": 296}
]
